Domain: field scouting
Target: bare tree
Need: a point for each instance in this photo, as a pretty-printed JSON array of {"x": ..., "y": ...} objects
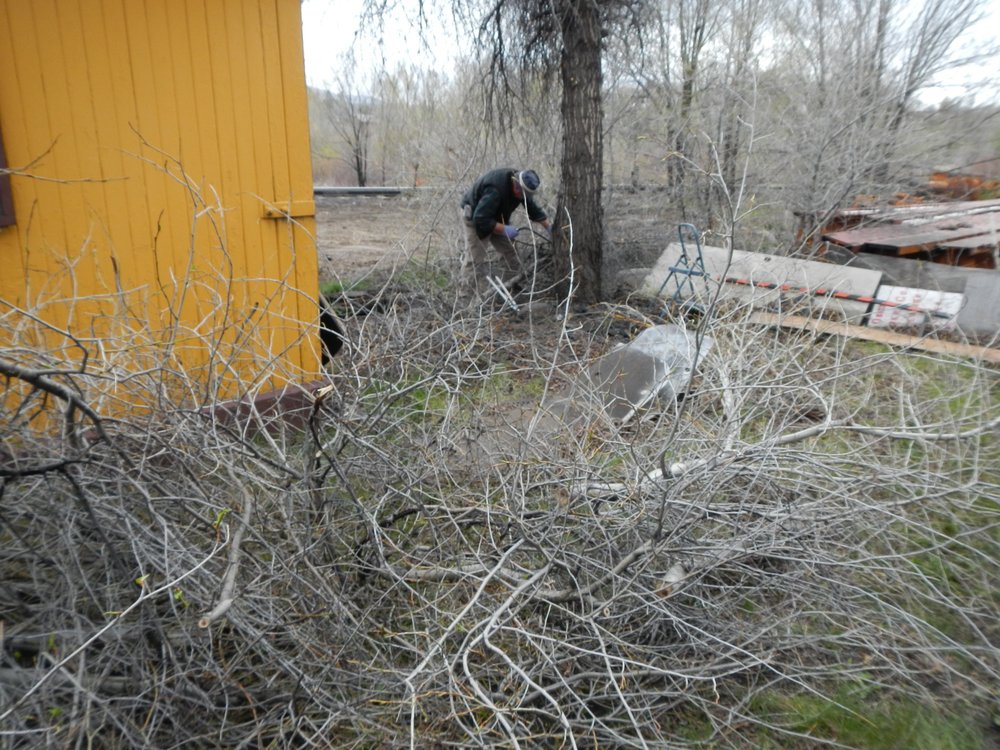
[
  {"x": 743, "y": 28},
  {"x": 889, "y": 51},
  {"x": 832, "y": 114},
  {"x": 578, "y": 241},
  {"x": 698, "y": 77},
  {"x": 694, "y": 22},
  {"x": 413, "y": 109},
  {"x": 348, "y": 110},
  {"x": 565, "y": 37}
]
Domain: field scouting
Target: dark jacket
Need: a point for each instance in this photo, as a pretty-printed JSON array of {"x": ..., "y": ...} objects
[{"x": 492, "y": 199}]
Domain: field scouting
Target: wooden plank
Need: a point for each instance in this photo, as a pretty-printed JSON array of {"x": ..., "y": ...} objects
[
  {"x": 336, "y": 190},
  {"x": 295, "y": 100},
  {"x": 191, "y": 192},
  {"x": 302, "y": 236},
  {"x": 203, "y": 98},
  {"x": 58, "y": 44},
  {"x": 292, "y": 239},
  {"x": 99, "y": 271},
  {"x": 29, "y": 141},
  {"x": 251, "y": 291},
  {"x": 267, "y": 135},
  {"x": 14, "y": 281},
  {"x": 210, "y": 41},
  {"x": 139, "y": 87},
  {"x": 268, "y": 96},
  {"x": 209, "y": 164},
  {"x": 185, "y": 113},
  {"x": 120, "y": 114},
  {"x": 720, "y": 264},
  {"x": 182, "y": 262},
  {"x": 115, "y": 218},
  {"x": 881, "y": 336}
]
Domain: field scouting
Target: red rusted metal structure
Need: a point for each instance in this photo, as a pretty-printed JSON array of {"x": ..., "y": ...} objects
[{"x": 961, "y": 233}]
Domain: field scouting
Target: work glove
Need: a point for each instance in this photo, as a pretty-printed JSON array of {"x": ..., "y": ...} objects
[{"x": 510, "y": 231}]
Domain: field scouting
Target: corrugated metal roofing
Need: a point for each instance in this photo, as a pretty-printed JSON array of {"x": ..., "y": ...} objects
[
  {"x": 898, "y": 213},
  {"x": 967, "y": 243},
  {"x": 965, "y": 225}
]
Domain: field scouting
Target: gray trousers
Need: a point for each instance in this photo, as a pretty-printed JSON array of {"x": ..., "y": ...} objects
[{"x": 478, "y": 262}]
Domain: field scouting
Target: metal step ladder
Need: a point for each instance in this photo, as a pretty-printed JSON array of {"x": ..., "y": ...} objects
[{"x": 687, "y": 269}]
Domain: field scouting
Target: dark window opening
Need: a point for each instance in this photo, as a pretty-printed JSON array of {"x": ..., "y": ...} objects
[{"x": 6, "y": 197}]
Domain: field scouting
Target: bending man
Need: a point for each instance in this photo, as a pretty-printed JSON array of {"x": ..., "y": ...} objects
[{"x": 486, "y": 210}]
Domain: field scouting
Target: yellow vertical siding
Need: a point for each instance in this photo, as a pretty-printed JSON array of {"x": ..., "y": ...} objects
[{"x": 158, "y": 135}]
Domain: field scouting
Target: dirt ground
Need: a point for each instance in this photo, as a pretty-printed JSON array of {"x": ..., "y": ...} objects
[{"x": 358, "y": 234}]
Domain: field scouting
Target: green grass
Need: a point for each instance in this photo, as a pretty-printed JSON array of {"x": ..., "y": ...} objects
[
  {"x": 946, "y": 544},
  {"x": 944, "y": 539},
  {"x": 422, "y": 276},
  {"x": 858, "y": 716},
  {"x": 333, "y": 288},
  {"x": 416, "y": 276}
]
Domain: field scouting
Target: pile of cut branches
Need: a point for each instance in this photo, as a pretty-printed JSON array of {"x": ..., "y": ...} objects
[{"x": 444, "y": 552}]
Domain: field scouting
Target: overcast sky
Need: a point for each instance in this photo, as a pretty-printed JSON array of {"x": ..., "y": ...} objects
[{"x": 329, "y": 29}]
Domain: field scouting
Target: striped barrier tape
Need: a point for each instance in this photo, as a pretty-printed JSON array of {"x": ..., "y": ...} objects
[{"x": 822, "y": 292}]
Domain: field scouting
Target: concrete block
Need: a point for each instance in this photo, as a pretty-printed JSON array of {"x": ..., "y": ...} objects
[
  {"x": 657, "y": 364},
  {"x": 883, "y": 316},
  {"x": 760, "y": 268},
  {"x": 980, "y": 317}
]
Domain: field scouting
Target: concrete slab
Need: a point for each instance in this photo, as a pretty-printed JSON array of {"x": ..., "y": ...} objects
[
  {"x": 887, "y": 316},
  {"x": 916, "y": 274},
  {"x": 657, "y": 364},
  {"x": 980, "y": 318},
  {"x": 759, "y": 268}
]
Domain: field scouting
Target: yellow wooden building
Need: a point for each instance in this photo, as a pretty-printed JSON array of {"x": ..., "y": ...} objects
[{"x": 157, "y": 212}]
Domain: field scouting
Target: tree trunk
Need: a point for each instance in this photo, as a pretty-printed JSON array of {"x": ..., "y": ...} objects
[
  {"x": 359, "y": 126},
  {"x": 579, "y": 239}
]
